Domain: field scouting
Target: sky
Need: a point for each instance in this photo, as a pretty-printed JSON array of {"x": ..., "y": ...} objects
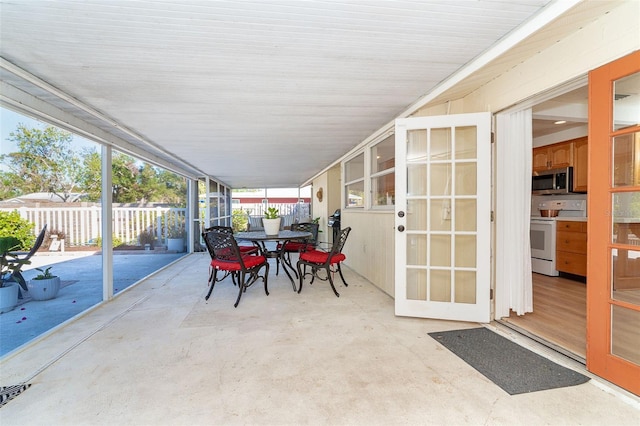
[{"x": 9, "y": 121}]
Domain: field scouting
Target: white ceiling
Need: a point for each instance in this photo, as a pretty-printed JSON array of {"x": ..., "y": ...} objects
[{"x": 254, "y": 93}]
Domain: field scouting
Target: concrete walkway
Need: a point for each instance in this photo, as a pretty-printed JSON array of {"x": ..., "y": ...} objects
[
  {"x": 160, "y": 355},
  {"x": 81, "y": 288}
]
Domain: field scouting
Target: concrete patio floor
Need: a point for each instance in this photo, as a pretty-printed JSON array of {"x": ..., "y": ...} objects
[
  {"x": 160, "y": 355},
  {"x": 81, "y": 275}
]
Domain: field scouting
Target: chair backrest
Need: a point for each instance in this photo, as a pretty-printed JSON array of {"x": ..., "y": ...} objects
[
  {"x": 255, "y": 223},
  {"x": 338, "y": 244},
  {"x": 220, "y": 228},
  {"x": 37, "y": 244},
  {"x": 222, "y": 246},
  {"x": 308, "y": 227}
]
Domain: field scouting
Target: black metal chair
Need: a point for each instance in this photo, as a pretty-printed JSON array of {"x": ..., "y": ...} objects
[
  {"x": 300, "y": 246},
  {"x": 320, "y": 259},
  {"x": 252, "y": 249},
  {"x": 23, "y": 257},
  {"x": 226, "y": 256}
]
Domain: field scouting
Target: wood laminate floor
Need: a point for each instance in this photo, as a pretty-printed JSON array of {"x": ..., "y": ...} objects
[{"x": 559, "y": 313}]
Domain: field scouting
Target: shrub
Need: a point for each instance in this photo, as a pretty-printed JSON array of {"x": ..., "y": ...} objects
[
  {"x": 12, "y": 225},
  {"x": 116, "y": 241},
  {"x": 147, "y": 237},
  {"x": 239, "y": 220}
]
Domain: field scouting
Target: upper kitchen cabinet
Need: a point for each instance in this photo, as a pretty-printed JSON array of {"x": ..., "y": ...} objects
[
  {"x": 580, "y": 161},
  {"x": 553, "y": 156},
  {"x": 571, "y": 153}
]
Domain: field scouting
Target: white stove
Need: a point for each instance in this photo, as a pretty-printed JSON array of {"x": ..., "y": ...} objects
[{"x": 543, "y": 232}]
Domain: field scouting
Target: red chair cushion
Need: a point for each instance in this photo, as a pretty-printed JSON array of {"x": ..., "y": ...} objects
[
  {"x": 318, "y": 256},
  {"x": 296, "y": 246},
  {"x": 249, "y": 262}
]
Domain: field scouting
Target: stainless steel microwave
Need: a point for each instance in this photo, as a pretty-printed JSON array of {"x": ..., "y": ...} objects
[{"x": 552, "y": 181}]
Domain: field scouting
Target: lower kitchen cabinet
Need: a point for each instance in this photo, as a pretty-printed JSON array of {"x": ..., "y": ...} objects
[{"x": 571, "y": 247}]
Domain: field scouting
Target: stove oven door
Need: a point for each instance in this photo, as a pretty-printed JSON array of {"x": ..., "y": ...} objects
[{"x": 543, "y": 246}]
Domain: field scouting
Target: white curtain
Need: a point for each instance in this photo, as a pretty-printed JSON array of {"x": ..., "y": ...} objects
[{"x": 514, "y": 288}]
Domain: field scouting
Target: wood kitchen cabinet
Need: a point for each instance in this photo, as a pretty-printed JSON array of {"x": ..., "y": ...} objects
[
  {"x": 580, "y": 161},
  {"x": 553, "y": 156},
  {"x": 571, "y": 247}
]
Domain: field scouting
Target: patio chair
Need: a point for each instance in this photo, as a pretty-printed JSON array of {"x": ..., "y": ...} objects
[
  {"x": 329, "y": 261},
  {"x": 255, "y": 223},
  {"x": 300, "y": 246},
  {"x": 226, "y": 257},
  {"x": 24, "y": 257},
  {"x": 244, "y": 249}
]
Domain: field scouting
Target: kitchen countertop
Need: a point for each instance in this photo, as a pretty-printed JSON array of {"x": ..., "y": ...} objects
[{"x": 557, "y": 218}]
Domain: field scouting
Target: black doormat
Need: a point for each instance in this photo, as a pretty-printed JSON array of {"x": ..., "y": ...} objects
[
  {"x": 515, "y": 369},
  {"x": 7, "y": 393}
]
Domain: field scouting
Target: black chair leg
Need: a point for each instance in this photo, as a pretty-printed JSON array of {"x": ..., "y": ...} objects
[
  {"x": 342, "y": 276},
  {"x": 212, "y": 282},
  {"x": 266, "y": 275},
  {"x": 242, "y": 286},
  {"x": 331, "y": 282},
  {"x": 300, "y": 277}
]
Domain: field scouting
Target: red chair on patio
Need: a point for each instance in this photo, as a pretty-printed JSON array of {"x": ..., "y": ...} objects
[
  {"x": 226, "y": 257},
  {"x": 320, "y": 259},
  {"x": 300, "y": 246},
  {"x": 243, "y": 249}
]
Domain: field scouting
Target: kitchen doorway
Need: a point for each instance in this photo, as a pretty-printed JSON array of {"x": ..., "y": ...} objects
[{"x": 558, "y": 319}]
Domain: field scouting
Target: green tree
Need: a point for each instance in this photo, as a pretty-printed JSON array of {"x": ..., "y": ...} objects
[
  {"x": 44, "y": 161},
  {"x": 91, "y": 174}
]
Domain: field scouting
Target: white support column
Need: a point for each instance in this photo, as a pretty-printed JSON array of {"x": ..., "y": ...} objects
[
  {"x": 191, "y": 221},
  {"x": 107, "y": 225}
]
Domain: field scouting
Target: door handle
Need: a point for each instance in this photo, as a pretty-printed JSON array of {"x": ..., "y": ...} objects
[{"x": 401, "y": 228}]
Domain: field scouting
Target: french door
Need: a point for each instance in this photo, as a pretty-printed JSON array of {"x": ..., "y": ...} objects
[
  {"x": 613, "y": 259},
  {"x": 443, "y": 217}
]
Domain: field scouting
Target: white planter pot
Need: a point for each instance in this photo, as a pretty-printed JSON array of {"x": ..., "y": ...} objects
[
  {"x": 175, "y": 244},
  {"x": 44, "y": 289},
  {"x": 271, "y": 226},
  {"x": 8, "y": 297}
]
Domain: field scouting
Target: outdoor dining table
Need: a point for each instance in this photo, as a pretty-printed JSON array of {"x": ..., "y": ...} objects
[{"x": 283, "y": 237}]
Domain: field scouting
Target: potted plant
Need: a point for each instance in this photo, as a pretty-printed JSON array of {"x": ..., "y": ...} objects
[
  {"x": 176, "y": 238},
  {"x": 44, "y": 286},
  {"x": 10, "y": 276},
  {"x": 271, "y": 221},
  {"x": 147, "y": 239}
]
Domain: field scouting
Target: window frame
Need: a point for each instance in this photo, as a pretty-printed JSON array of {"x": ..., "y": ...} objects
[{"x": 368, "y": 177}]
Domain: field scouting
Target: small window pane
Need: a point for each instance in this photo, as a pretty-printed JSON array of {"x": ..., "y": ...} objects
[
  {"x": 465, "y": 287},
  {"x": 383, "y": 155},
  {"x": 626, "y": 103},
  {"x": 417, "y": 179},
  {"x": 417, "y": 249},
  {"x": 416, "y": 284},
  {"x": 626, "y": 160},
  {"x": 354, "y": 168},
  {"x": 440, "y": 286},
  {"x": 466, "y": 142},
  {"x": 440, "y": 144},
  {"x": 625, "y": 333},
  {"x": 355, "y": 194},
  {"x": 383, "y": 189},
  {"x": 416, "y": 146}
]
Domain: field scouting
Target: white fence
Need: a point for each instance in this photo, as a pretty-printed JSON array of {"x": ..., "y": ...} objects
[{"x": 82, "y": 225}]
